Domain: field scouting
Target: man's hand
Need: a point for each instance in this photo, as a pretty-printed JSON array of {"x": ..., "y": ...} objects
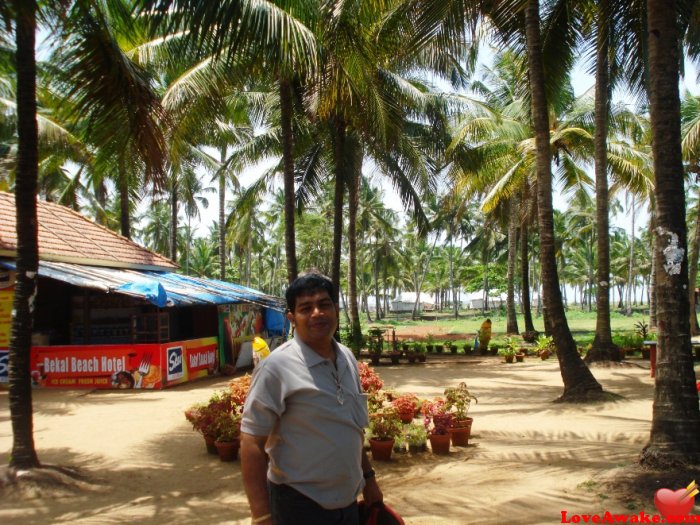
[
  {"x": 372, "y": 493},
  {"x": 254, "y": 470}
]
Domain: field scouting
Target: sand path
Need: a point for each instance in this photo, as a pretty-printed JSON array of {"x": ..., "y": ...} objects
[{"x": 528, "y": 461}]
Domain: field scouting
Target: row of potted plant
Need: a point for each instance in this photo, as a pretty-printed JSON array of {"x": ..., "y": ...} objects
[
  {"x": 218, "y": 419},
  {"x": 445, "y": 420}
]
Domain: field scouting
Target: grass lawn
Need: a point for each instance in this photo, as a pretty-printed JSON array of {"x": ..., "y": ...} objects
[{"x": 581, "y": 323}]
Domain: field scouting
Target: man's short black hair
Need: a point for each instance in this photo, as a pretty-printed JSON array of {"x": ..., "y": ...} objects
[{"x": 306, "y": 284}]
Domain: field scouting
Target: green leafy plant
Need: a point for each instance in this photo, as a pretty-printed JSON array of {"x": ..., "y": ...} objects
[
  {"x": 507, "y": 350},
  {"x": 416, "y": 434},
  {"x": 642, "y": 329},
  {"x": 458, "y": 400},
  {"x": 385, "y": 424},
  {"x": 545, "y": 342}
]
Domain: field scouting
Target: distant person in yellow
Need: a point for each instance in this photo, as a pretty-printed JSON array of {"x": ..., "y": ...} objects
[
  {"x": 260, "y": 350},
  {"x": 485, "y": 335}
]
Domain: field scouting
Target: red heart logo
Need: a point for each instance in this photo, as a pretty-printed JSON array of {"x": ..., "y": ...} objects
[{"x": 673, "y": 502}]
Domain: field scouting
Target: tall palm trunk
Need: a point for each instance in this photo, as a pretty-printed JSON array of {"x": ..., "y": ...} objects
[
  {"x": 525, "y": 277},
  {"x": 630, "y": 267},
  {"x": 579, "y": 383},
  {"x": 286, "y": 111},
  {"x": 693, "y": 272},
  {"x": 603, "y": 348},
  {"x": 124, "y": 219},
  {"x": 340, "y": 178},
  {"x": 355, "y": 157},
  {"x": 512, "y": 320},
  {"x": 20, "y": 396},
  {"x": 652, "y": 278},
  {"x": 222, "y": 217},
  {"x": 173, "y": 218},
  {"x": 675, "y": 426}
]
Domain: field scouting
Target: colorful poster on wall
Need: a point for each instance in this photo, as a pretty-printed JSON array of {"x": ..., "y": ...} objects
[
  {"x": 238, "y": 324},
  {"x": 7, "y": 297}
]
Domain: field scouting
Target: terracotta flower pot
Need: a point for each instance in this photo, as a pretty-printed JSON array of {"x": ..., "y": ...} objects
[
  {"x": 461, "y": 431},
  {"x": 211, "y": 447},
  {"x": 381, "y": 449},
  {"x": 440, "y": 443},
  {"x": 228, "y": 450},
  {"x": 509, "y": 358},
  {"x": 519, "y": 357}
]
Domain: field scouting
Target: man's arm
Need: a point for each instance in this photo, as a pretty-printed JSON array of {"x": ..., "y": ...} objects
[
  {"x": 254, "y": 470},
  {"x": 371, "y": 493}
]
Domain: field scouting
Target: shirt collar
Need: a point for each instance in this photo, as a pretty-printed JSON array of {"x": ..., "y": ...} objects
[{"x": 312, "y": 358}]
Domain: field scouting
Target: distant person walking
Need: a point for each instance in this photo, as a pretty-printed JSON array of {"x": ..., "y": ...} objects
[{"x": 306, "y": 411}]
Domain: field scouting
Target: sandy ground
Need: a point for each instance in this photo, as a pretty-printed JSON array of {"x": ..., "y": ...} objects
[{"x": 528, "y": 460}]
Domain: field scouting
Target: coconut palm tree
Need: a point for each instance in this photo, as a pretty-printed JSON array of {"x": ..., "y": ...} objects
[
  {"x": 676, "y": 419},
  {"x": 579, "y": 383},
  {"x": 24, "y": 15}
]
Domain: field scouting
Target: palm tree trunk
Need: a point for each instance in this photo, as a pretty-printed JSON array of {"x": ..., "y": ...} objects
[
  {"x": 124, "y": 219},
  {"x": 673, "y": 442},
  {"x": 173, "y": 218},
  {"x": 512, "y": 319},
  {"x": 652, "y": 279},
  {"x": 630, "y": 268},
  {"x": 286, "y": 110},
  {"x": 525, "y": 277},
  {"x": 340, "y": 178},
  {"x": 579, "y": 383},
  {"x": 603, "y": 348},
  {"x": 222, "y": 217},
  {"x": 693, "y": 273},
  {"x": 20, "y": 396},
  {"x": 355, "y": 154}
]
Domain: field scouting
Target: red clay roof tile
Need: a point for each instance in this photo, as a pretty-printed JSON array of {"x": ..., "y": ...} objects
[{"x": 65, "y": 235}]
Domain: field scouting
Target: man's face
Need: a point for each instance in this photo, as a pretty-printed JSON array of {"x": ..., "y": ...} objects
[{"x": 315, "y": 317}]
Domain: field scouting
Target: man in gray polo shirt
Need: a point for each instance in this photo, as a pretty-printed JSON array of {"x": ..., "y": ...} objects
[{"x": 306, "y": 412}]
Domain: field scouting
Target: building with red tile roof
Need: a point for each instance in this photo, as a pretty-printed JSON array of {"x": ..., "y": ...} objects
[{"x": 66, "y": 236}]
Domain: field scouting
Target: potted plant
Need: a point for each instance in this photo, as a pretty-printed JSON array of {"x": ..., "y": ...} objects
[
  {"x": 513, "y": 346},
  {"x": 384, "y": 426},
  {"x": 437, "y": 422},
  {"x": 405, "y": 406},
  {"x": 508, "y": 353},
  {"x": 202, "y": 419},
  {"x": 452, "y": 347},
  {"x": 228, "y": 433},
  {"x": 416, "y": 437},
  {"x": 545, "y": 346},
  {"x": 419, "y": 349},
  {"x": 430, "y": 343},
  {"x": 457, "y": 402}
]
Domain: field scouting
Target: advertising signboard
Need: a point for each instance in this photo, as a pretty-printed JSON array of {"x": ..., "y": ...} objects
[
  {"x": 7, "y": 296},
  {"x": 142, "y": 366}
]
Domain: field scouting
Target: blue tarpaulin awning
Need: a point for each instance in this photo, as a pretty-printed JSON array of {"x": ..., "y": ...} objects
[{"x": 159, "y": 288}]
